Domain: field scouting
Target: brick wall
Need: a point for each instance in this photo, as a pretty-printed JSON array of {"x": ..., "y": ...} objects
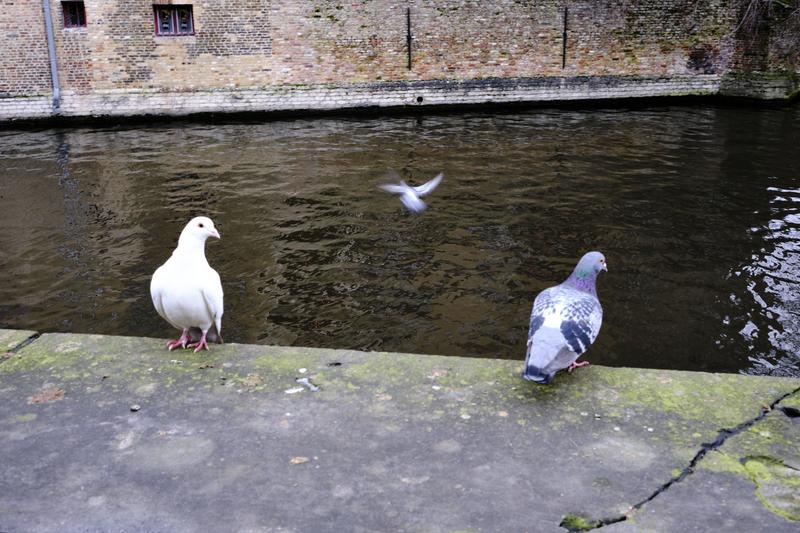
[
  {"x": 288, "y": 50},
  {"x": 24, "y": 62}
]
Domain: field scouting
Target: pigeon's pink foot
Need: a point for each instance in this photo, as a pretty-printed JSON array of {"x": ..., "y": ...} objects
[
  {"x": 199, "y": 345},
  {"x": 573, "y": 366},
  {"x": 179, "y": 342}
]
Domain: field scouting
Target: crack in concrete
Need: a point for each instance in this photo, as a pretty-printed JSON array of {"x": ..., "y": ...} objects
[
  {"x": 18, "y": 347},
  {"x": 573, "y": 522}
]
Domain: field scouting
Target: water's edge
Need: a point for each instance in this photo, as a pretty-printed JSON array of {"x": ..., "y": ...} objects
[{"x": 697, "y": 216}]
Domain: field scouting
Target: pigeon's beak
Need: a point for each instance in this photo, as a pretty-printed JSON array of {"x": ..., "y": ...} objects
[
  {"x": 605, "y": 267},
  {"x": 215, "y": 233}
]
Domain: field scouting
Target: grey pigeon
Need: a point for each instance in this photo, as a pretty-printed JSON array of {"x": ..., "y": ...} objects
[
  {"x": 565, "y": 321},
  {"x": 410, "y": 196}
]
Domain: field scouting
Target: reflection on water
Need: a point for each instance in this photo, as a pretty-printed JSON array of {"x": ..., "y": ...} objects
[
  {"x": 773, "y": 284},
  {"x": 697, "y": 216}
]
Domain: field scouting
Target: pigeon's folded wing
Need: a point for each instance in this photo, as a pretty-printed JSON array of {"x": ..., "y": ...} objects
[
  {"x": 157, "y": 295},
  {"x": 581, "y": 322},
  {"x": 213, "y": 299}
]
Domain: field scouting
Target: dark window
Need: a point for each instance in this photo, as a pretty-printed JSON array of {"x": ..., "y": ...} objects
[
  {"x": 173, "y": 20},
  {"x": 74, "y": 14}
]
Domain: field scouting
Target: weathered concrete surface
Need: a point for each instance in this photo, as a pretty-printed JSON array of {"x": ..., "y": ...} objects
[
  {"x": 12, "y": 338},
  {"x": 752, "y": 483},
  {"x": 394, "y": 442}
]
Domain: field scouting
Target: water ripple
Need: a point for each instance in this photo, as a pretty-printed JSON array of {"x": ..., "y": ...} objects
[{"x": 698, "y": 217}]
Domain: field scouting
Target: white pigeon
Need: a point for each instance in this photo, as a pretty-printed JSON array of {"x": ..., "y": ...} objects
[
  {"x": 410, "y": 196},
  {"x": 185, "y": 290}
]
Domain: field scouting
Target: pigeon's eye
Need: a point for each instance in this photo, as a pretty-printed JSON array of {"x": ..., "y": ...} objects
[{"x": 200, "y": 224}]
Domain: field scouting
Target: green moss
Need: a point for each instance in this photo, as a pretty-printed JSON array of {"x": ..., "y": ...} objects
[
  {"x": 288, "y": 364},
  {"x": 755, "y": 455},
  {"x": 683, "y": 407},
  {"x": 792, "y": 401},
  {"x": 573, "y": 522},
  {"x": 777, "y": 75},
  {"x": 759, "y": 467},
  {"x": 777, "y": 485},
  {"x": 690, "y": 396},
  {"x": 717, "y": 461}
]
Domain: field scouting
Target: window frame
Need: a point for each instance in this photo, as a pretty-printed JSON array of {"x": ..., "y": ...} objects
[
  {"x": 174, "y": 9},
  {"x": 66, "y": 14}
]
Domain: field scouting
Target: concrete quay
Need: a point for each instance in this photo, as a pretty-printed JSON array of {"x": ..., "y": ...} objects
[{"x": 102, "y": 433}]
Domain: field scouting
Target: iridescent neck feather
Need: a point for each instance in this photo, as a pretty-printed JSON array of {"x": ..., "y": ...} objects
[{"x": 583, "y": 280}]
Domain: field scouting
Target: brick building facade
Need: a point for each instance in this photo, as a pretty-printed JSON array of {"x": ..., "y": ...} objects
[{"x": 187, "y": 56}]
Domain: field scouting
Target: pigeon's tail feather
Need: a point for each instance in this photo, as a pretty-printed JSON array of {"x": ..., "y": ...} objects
[
  {"x": 215, "y": 335},
  {"x": 537, "y": 375},
  {"x": 545, "y": 346}
]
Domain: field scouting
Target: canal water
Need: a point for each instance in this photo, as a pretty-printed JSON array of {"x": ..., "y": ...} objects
[{"x": 695, "y": 208}]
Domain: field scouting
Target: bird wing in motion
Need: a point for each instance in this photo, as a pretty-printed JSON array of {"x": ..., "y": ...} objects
[
  {"x": 427, "y": 188},
  {"x": 394, "y": 189}
]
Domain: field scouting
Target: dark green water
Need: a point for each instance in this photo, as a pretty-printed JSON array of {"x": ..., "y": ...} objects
[{"x": 696, "y": 209}]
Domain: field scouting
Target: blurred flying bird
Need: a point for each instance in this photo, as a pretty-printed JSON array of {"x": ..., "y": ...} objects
[{"x": 410, "y": 196}]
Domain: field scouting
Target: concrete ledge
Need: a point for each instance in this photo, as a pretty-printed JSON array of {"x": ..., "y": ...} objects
[
  {"x": 389, "y": 94},
  {"x": 761, "y": 86},
  {"x": 105, "y": 433}
]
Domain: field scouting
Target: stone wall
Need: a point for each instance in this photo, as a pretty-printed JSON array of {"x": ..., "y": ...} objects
[
  {"x": 265, "y": 55},
  {"x": 385, "y": 94}
]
